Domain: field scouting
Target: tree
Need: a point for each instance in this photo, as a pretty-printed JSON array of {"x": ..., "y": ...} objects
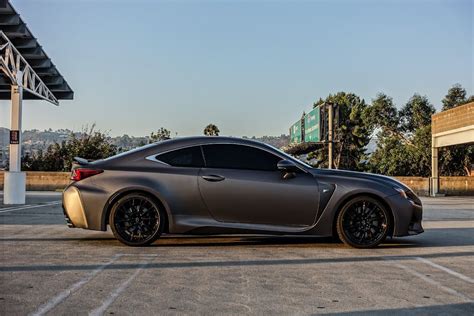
[
  {"x": 416, "y": 113},
  {"x": 456, "y": 96},
  {"x": 351, "y": 133},
  {"x": 211, "y": 130},
  {"x": 404, "y": 137},
  {"x": 161, "y": 134},
  {"x": 88, "y": 144},
  {"x": 383, "y": 114},
  {"x": 419, "y": 154},
  {"x": 390, "y": 151},
  {"x": 456, "y": 160}
]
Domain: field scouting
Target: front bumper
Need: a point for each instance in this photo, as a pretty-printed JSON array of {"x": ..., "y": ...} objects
[
  {"x": 415, "y": 228},
  {"x": 408, "y": 215},
  {"x": 73, "y": 208}
]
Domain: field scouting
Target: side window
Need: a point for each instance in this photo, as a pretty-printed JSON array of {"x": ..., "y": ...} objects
[
  {"x": 239, "y": 157},
  {"x": 185, "y": 157}
]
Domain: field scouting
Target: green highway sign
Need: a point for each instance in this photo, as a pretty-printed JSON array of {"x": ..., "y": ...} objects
[
  {"x": 308, "y": 129},
  {"x": 312, "y": 126},
  {"x": 295, "y": 133}
]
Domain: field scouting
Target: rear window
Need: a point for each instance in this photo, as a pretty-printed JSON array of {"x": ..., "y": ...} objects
[{"x": 185, "y": 157}]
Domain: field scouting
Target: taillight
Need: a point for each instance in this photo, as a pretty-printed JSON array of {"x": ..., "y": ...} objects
[{"x": 82, "y": 173}]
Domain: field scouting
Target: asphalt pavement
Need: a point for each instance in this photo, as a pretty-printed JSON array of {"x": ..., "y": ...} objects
[{"x": 48, "y": 268}]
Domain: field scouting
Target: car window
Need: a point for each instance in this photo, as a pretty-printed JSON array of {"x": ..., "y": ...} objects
[
  {"x": 185, "y": 157},
  {"x": 239, "y": 157}
]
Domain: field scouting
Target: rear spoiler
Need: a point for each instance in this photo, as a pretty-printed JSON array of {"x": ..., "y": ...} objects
[{"x": 81, "y": 161}]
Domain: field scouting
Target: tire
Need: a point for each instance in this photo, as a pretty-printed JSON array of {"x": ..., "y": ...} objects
[
  {"x": 136, "y": 219},
  {"x": 363, "y": 222}
]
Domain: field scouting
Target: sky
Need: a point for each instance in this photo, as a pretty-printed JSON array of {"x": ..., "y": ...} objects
[{"x": 250, "y": 67}]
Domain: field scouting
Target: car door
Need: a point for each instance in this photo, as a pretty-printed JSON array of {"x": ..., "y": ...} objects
[{"x": 242, "y": 184}]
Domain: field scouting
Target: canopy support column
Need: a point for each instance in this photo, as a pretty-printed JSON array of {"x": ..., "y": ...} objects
[
  {"x": 434, "y": 171},
  {"x": 15, "y": 180}
]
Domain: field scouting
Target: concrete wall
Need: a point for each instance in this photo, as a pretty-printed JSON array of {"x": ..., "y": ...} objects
[
  {"x": 44, "y": 181},
  {"x": 448, "y": 185},
  {"x": 456, "y": 185},
  {"x": 418, "y": 184}
]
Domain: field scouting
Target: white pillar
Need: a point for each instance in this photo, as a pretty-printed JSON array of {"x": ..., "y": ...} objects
[
  {"x": 434, "y": 172},
  {"x": 15, "y": 180},
  {"x": 15, "y": 149}
]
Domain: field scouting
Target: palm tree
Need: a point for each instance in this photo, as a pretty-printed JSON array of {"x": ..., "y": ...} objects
[{"x": 211, "y": 130}]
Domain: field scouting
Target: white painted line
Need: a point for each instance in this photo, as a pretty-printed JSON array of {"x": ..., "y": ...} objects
[
  {"x": 431, "y": 281},
  {"x": 26, "y": 207},
  {"x": 53, "y": 302},
  {"x": 447, "y": 270},
  {"x": 113, "y": 296},
  {"x": 144, "y": 255}
]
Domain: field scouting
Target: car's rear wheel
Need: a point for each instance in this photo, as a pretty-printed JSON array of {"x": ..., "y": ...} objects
[
  {"x": 136, "y": 219},
  {"x": 363, "y": 222}
]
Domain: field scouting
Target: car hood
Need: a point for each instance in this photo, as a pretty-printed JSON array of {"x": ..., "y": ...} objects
[{"x": 388, "y": 181}]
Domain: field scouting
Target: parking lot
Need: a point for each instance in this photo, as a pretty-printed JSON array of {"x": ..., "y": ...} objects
[{"x": 48, "y": 268}]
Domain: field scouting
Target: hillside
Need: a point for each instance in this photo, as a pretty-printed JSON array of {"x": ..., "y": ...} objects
[{"x": 34, "y": 140}]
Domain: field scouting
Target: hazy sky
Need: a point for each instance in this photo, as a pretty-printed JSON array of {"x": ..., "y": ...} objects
[{"x": 251, "y": 67}]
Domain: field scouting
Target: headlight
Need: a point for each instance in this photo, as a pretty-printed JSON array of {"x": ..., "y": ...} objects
[{"x": 401, "y": 191}]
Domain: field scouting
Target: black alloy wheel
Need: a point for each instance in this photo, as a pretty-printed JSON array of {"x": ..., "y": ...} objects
[
  {"x": 136, "y": 220},
  {"x": 363, "y": 222}
]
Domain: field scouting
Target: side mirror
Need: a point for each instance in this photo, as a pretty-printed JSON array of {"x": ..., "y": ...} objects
[{"x": 287, "y": 166}]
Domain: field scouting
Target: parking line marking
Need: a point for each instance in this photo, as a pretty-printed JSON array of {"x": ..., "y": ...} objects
[
  {"x": 447, "y": 270},
  {"x": 16, "y": 208},
  {"x": 113, "y": 296},
  {"x": 432, "y": 282},
  {"x": 53, "y": 302}
]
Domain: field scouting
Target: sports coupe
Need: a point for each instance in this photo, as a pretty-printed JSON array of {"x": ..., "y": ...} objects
[{"x": 225, "y": 185}]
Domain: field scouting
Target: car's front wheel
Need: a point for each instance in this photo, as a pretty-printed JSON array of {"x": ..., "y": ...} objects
[
  {"x": 363, "y": 222},
  {"x": 136, "y": 219}
]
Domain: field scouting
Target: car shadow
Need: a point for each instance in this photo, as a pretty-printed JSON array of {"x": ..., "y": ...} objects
[
  {"x": 221, "y": 264},
  {"x": 442, "y": 309},
  {"x": 434, "y": 237}
]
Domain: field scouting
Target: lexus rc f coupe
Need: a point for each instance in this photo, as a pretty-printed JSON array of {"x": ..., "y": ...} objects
[{"x": 224, "y": 185}]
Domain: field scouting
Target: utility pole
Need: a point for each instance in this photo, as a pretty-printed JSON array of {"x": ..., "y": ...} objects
[{"x": 330, "y": 134}]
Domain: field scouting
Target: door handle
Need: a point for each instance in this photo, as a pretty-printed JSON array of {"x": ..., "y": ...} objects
[{"x": 213, "y": 178}]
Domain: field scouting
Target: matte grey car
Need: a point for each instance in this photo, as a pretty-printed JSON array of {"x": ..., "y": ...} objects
[{"x": 225, "y": 185}]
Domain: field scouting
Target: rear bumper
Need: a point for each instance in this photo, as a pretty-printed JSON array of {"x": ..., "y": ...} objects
[
  {"x": 67, "y": 219},
  {"x": 73, "y": 208}
]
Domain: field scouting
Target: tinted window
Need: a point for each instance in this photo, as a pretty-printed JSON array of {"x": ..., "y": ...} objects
[
  {"x": 239, "y": 157},
  {"x": 186, "y": 157}
]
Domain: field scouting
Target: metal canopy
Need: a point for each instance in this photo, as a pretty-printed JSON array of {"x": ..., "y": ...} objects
[
  {"x": 26, "y": 72},
  {"x": 28, "y": 47}
]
